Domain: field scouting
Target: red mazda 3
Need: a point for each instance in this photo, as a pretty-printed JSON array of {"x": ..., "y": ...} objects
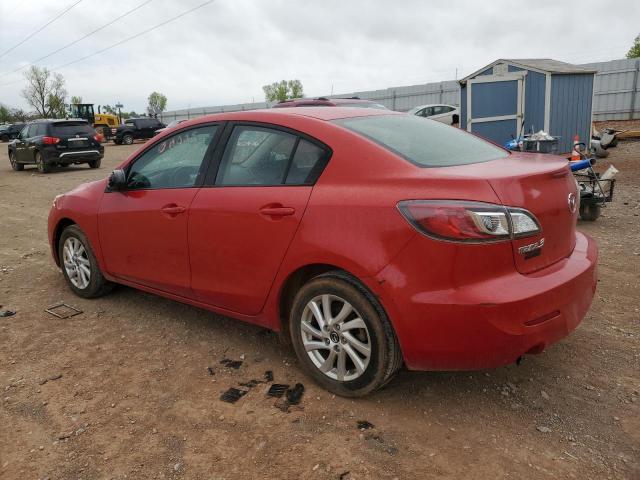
[{"x": 368, "y": 238}]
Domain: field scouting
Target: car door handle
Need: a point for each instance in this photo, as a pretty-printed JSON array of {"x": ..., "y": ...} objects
[
  {"x": 173, "y": 209},
  {"x": 277, "y": 211}
]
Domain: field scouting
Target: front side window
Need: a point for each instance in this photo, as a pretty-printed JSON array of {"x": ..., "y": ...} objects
[
  {"x": 425, "y": 144},
  {"x": 174, "y": 162},
  {"x": 256, "y": 156}
]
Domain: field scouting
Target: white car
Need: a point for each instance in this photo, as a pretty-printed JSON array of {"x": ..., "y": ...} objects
[{"x": 448, "y": 114}]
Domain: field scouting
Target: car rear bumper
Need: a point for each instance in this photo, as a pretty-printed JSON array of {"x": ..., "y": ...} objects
[
  {"x": 74, "y": 156},
  {"x": 493, "y": 322}
]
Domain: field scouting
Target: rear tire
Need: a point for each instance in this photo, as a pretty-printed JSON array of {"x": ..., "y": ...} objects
[
  {"x": 359, "y": 351},
  {"x": 590, "y": 213},
  {"x": 43, "y": 167},
  {"x": 79, "y": 265},
  {"x": 18, "y": 167},
  {"x": 127, "y": 139},
  {"x": 94, "y": 163}
]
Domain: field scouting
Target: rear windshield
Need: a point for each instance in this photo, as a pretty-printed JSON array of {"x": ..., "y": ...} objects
[
  {"x": 425, "y": 143},
  {"x": 72, "y": 128}
]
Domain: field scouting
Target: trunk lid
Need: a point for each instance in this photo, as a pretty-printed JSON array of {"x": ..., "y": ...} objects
[{"x": 543, "y": 185}]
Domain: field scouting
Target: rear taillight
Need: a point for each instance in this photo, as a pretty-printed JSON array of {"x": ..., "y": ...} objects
[
  {"x": 50, "y": 140},
  {"x": 462, "y": 221}
]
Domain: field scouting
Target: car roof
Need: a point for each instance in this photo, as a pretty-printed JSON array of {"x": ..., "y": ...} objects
[
  {"x": 434, "y": 105},
  {"x": 58, "y": 120},
  {"x": 273, "y": 115},
  {"x": 322, "y": 101}
]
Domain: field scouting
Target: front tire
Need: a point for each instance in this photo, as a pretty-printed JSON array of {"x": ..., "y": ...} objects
[
  {"x": 79, "y": 264},
  {"x": 43, "y": 167},
  {"x": 127, "y": 139},
  {"x": 18, "y": 167},
  {"x": 342, "y": 336}
]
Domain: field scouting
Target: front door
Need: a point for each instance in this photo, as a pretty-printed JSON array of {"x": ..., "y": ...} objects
[
  {"x": 495, "y": 106},
  {"x": 241, "y": 226},
  {"x": 143, "y": 228},
  {"x": 23, "y": 153}
]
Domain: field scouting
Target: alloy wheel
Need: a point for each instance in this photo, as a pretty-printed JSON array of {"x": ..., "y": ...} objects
[
  {"x": 335, "y": 337},
  {"x": 76, "y": 263}
]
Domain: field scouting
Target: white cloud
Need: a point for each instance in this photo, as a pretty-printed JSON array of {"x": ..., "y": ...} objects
[{"x": 226, "y": 51}]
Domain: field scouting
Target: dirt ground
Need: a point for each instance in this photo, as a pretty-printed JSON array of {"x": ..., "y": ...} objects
[{"x": 122, "y": 390}]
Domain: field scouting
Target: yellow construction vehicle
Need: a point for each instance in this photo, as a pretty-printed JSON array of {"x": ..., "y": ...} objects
[{"x": 102, "y": 122}]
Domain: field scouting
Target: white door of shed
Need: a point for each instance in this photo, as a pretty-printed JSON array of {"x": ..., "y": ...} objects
[{"x": 495, "y": 106}]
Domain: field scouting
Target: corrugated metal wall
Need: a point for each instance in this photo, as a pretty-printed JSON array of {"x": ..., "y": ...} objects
[
  {"x": 616, "y": 90},
  {"x": 617, "y": 95}
]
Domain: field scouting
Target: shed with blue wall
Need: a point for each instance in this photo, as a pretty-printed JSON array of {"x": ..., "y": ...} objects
[{"x": 510, "y": 97}]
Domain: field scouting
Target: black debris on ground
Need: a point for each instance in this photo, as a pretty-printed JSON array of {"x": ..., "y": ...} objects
[
  {"x": 232, "y": 395},
  {"x": 344, "y": 475},
  {"x": 250, "y": 383},
  {"x": 7, "y": 313},
  {"x": 235, "y": 364},
  {"x": 294, "y": 395},
  {"x": 211, "y": 371},
  {"x": 364, "y": 425},
  {"x": 268, "y": 376},
  {"x": 277, "y": 390}
]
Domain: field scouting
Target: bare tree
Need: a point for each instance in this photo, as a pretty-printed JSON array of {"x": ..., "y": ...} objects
[{"x": 45, "y": 92}]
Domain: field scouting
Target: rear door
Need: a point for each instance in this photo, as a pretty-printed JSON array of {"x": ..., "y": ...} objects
[
  {"x": 495, "y": 106},
  {"x": 143, "y": 228},
  {"x": 242, "y": 223}
]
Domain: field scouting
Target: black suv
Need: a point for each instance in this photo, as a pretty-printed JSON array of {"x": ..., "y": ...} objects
[
  {"x": 136, "y": 128},
  {"x": 56, "y": 142},
  {"x": 11, "y": 131}
]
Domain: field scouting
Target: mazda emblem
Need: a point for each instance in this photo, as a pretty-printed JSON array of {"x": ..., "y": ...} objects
[{"x": 572, "y": 202}]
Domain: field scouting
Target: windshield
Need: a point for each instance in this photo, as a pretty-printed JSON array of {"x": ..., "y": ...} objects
[
  {"x": 72, "y": 128},
  {"x": 423, "y": 143}
]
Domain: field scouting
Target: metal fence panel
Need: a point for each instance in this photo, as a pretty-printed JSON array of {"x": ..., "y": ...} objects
[{"x": 616, "y": 95}]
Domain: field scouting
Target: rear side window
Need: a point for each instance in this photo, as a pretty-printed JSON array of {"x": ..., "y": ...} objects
[
  {"x": 41, "y": 130},
  {"x": 71, "y": 128},
  {"x": 307, "y": 164},
  {"x": 423, "y": 143}
]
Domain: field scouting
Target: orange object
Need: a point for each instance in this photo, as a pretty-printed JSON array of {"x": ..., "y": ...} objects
[{"x": 575, "y": 153}]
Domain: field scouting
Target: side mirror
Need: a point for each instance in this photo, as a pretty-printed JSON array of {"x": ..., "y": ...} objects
[{"x": 117, "y": 180}]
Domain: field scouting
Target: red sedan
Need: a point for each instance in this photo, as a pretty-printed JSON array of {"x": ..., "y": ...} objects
[{"x": 368, "y": 238}]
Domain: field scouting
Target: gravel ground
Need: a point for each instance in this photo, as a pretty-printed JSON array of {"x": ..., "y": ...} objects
[{"x": 122, "y": 390}]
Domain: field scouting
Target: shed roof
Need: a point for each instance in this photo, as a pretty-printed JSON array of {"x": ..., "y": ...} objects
[{"x": 543, "y": 65}]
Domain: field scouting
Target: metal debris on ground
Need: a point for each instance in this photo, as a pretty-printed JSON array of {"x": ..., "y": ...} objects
[
  {"x": 52, "y": 378},
  {"x": 211, "y": 371},
  {"x": 277, "y": 390},
  {"x": 235, "y": 364},
  {"x": 294, "y": 395},
  {"x": 7, "y": 313},
  {"x": 364, "y": 425},
  {"x": 232, "y": 395},
  {"x": 268, "y": 376},
  {"x": 62, "y": 310}
]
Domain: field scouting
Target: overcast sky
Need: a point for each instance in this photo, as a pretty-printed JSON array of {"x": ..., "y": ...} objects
[{"x": 226, "y": 51}]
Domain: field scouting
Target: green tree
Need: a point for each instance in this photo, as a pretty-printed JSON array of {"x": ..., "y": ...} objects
[
  {"x": 283, "y": 90},
  {"x": 5, "y": 115},
  {"x": 109, "y": 109},
  {"x": 157, "y": 103},
  {"x": 75, "y": 99},
  {"x": 634, "y": 51},
  {"x": 45, "y": 92}
]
